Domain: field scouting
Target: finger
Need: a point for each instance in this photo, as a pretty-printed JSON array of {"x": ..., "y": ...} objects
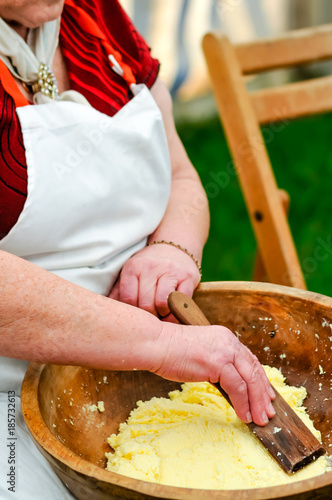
[
  {"x": 146, "y": 293},
  {"x": 268, "y": 383},
  {"x": 271, "y": 391},
  {"x": 186, "y": 287},
  {"x": 128, "y": 289},
  {"x": 165, "y": 286},
  {"x": 254, "y": 376},
  {"x": 170, "y": 319},
  {"x": 115, "y": 292},
  {"x": 236, "y": 388},
  {"x": 260, "y": 394}
]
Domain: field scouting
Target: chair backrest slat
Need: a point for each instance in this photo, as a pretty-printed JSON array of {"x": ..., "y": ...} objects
[
  {"x": 295, "y": 48},
  {"x": 293, "y": 100}
]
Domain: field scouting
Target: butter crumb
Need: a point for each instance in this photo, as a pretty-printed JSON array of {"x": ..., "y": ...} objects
[{"x": 100, "y": 406}]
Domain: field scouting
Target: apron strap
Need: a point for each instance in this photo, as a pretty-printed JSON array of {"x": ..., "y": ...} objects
[
  {"x": 90, "y": 26},
  {"x": 10, "y": 86}
]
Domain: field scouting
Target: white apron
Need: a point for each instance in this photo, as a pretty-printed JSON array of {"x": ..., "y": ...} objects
[{"x": 97, "y": 187}]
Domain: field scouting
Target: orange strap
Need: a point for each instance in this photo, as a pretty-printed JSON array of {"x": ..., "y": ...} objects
[
  {"x": 91, "y": 27},
  {"x": 10, "y": 86}
]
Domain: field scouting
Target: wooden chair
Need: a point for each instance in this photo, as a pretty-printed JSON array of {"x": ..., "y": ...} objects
[{"x": 242, "y": 113}]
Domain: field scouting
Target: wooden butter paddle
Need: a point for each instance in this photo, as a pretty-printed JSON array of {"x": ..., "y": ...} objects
[{"x": 286, "y": 437}]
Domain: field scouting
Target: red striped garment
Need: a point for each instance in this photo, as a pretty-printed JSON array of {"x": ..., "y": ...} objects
[{"x": 90, "y": 74}]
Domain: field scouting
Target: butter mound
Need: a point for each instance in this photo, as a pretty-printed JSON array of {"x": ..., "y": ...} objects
[{"x": 194, "y": 439}]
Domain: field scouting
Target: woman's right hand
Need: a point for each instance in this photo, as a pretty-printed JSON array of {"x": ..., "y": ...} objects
[{"x": 214, "y": 354}]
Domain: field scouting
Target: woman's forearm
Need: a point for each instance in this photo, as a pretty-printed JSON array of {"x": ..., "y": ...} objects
[
  {"x": 186, "y": 221},
  {"x": 44, "y": 318}
]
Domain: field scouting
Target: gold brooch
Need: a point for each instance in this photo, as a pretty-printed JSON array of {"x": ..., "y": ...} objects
[{"x": 46, "y": 83}]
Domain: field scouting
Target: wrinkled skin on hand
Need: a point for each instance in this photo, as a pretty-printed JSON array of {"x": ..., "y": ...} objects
[
  {"x": 149, "y": 276},
  {"x": 214, "y": 354}
]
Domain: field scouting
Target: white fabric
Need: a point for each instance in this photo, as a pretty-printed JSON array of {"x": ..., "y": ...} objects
[
  {"x": 97, "y": 187},
  {"x": 23, "y": 59},
  {"x": 107, "y": 178}
]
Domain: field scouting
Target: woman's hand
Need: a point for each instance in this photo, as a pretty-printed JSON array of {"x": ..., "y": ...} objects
[
  {"x": 150, "y": 275},
  {"x": 214, "y": 354}
]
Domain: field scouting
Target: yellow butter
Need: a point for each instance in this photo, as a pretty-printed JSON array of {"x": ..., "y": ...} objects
[{"x": 194, "y": 439}]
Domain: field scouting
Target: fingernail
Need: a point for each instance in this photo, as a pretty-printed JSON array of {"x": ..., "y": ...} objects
[
  {"x": 272, "y": 411},
  {"x": 264, "y": 417},
  {"x": 249, "y": 417},
  {"x": 272, "y": 393}
]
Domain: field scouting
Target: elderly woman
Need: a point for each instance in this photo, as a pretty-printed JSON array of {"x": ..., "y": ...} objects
[{"x": 101, "y": 217}]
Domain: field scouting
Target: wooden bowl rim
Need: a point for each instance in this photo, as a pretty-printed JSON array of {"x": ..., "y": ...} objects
[
  {"x": 260, "y": 287},
  {"x": 54, "y": 447}
]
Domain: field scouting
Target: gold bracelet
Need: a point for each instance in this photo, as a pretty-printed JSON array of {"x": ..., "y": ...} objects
[{"x": 180, "y": 248}]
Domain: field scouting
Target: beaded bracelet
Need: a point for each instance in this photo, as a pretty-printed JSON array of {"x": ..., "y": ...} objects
[{"x": 180, "y": 248}]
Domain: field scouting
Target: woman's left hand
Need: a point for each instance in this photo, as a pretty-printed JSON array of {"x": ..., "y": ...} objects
[{"x": 149, "y": 276}]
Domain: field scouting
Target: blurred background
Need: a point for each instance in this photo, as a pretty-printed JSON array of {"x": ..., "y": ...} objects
[{"x": 301, "y": 152}]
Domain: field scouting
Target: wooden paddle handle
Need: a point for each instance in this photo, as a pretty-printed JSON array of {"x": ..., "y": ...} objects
[
  {"x": 188, "y": 313},
  {"x": 185, "y": 310}
]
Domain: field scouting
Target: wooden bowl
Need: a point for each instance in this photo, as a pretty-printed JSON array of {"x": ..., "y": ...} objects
[{"x": 271, "y": 320}]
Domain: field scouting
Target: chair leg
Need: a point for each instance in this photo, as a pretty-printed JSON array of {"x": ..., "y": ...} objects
[{"x": 260, "y": 273}]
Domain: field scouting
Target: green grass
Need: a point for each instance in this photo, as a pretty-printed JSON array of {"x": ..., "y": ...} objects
[{"x": 301, "y": 155}]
